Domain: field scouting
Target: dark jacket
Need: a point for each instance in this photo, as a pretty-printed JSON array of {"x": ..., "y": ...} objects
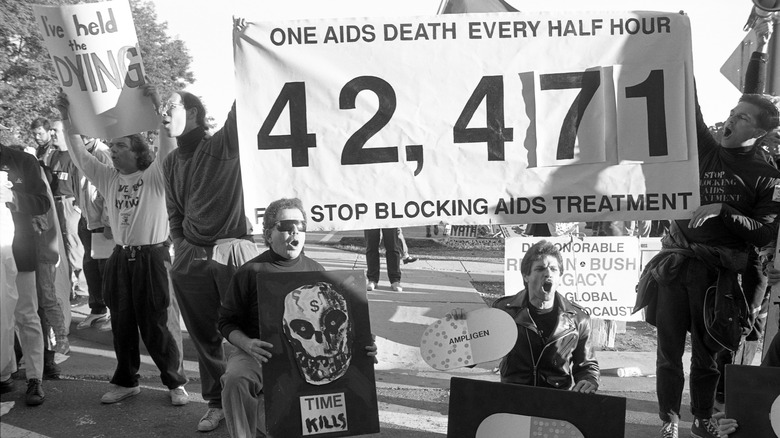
[
  {"x": 31, "y": 199},
  {"x": 565, "y": 359}
]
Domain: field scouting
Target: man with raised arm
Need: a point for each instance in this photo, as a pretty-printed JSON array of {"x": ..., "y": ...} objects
[
  {"x": 209, "y": 230},
  {"x": 738, "y": 212},
  {"x": 136, "y": 275}
]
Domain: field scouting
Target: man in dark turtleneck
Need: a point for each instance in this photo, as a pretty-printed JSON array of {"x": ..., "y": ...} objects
[
  {"x": 209, "y": 229},
  {"x": 739, "y": 210},
  {"x": 284, "y": 230}
]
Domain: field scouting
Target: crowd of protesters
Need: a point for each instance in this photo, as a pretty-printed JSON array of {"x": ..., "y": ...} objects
[{"x": 187, "y": 195}]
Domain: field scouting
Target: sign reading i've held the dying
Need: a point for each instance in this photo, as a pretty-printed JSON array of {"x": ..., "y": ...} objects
[{"x": 94, "y": 50}]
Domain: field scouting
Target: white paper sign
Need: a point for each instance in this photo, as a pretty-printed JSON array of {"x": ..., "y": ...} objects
[
  {"x": 323, "y": 413},
  {"x": 599, "y": 273},
  {"x": 95, "y": 54},
  {"x": 469, "y": 119}
]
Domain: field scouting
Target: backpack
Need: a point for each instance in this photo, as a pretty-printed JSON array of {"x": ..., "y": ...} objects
[{"x": 726, "y": 313}]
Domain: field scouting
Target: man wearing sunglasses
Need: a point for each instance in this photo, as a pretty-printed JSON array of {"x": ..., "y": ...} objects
[{"x": 284, "y": 230}]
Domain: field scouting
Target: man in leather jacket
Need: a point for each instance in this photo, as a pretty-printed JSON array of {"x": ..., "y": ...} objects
[{"x": 553, "y": 347}]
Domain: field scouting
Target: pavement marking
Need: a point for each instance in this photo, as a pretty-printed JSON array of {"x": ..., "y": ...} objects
[
  {"x": 328, "y": 237},
  {"x": 412, "y": 314},
  {"x": 412, "y": 418},
  {"x": 189, "y": 365},
  {"x": 8, "y": 431}
]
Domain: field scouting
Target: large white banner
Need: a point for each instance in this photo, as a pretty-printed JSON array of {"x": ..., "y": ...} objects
[
  {"x": 469, "y": 119},
  {"x": 599, "y": 273},
  {"x": 94, "y": 51}
]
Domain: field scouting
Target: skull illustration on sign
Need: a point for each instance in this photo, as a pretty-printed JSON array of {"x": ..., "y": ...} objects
[{"x": 317, "y": 325}]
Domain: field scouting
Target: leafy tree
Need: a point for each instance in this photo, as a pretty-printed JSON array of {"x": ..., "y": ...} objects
[{"x": 28, "y": 82}]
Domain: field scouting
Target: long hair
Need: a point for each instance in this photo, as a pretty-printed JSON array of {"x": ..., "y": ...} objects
[
  {"x": 143, "y": 153},
  {"x": 192, "y": 101}
]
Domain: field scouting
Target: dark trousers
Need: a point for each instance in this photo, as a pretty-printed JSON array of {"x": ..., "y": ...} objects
[
  {"x": 389, "y": 237},
  {"x": 136, "y": 285},
  {"x": 94, "y": 270},
  {"x": 201, "y": 276},
  {"x": 680, "y": 306},
  {"x": 772, "y": 357}
]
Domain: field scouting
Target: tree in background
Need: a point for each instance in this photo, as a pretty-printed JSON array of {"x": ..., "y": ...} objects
[{"x": 28, "y": 82}]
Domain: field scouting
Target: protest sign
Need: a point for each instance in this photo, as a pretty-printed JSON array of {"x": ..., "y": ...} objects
[
  {"x": 319, "y": 379},
  {"x": 469, "y": 119},
  {"x": 94, "y": 50},
  {"x": 599, "y": 273},
  {"x": 488, "y": 409},
  {"x": 484, "y": 335}
]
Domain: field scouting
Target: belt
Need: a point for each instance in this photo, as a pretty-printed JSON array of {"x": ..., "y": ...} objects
[
  {"x": 131, "y": 250},
  {"x": 60, "y": 198}
]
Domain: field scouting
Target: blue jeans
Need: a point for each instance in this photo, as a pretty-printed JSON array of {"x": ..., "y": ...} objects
[{"x": 680, "y": 310}]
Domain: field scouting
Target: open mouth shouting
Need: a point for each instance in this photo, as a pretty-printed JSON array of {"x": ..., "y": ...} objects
[{"x": 727, "y": 132}]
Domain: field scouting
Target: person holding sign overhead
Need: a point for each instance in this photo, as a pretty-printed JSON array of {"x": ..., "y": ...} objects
[
  {"x": 205, "y": 200},
  {"x": 136, "y": 276},
  {"x": 553, "y": 347},
  {"x": 738, "y": 212}
]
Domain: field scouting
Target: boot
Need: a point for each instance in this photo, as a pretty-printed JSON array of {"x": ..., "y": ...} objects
[{"x": 51, "y": 370}]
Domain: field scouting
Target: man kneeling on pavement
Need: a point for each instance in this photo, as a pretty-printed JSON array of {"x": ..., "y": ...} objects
[{"x": 284, "y": 230}]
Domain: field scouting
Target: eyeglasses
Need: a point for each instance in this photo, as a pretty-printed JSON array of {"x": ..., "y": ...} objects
[
  {"x": 288, "y": 226},
  {"x": 168, "y": 105}
]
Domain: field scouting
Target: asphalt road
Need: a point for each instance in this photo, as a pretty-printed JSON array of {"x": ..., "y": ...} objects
[{"x": 413, "y": 398}]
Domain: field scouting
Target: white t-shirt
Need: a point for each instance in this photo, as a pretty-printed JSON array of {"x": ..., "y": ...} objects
[{"x": 135, "y": 202}]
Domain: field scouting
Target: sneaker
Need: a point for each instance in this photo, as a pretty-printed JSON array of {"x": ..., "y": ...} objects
[
  {"x": 670, "y": 428},
  {"x": 105, "y": 325},
  {"x": 91, "y": 320},
  {"x": 77, "y": 300},
  {"x": 371, "y": 286},
  {"x": 35, "y": 393},
  {"x": 7, "y": 385},
  {"x": 179, "y": 396},
  {"x": 397, "y": 287},
  {"x": 410, "y": 259},
  {"x": 119, "y": 393},
  {"x": 210, "y": 420},
  {"x": 704, "y": 428},
  {"x": 62, "y": 346}
]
